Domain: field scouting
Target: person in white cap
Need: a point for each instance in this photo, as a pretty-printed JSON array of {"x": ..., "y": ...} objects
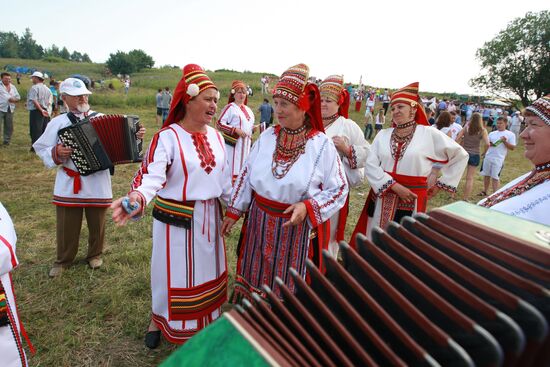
[
  {"x": 75, "y": 195},
  {"x": 39, "y": 102}
]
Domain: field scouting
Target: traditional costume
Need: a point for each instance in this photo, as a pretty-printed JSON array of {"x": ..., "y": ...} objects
[
  {"x": 527, "y": 196},
  {"x": 184, "y": 174},
  {"x": 407, "y": 161},
  {"x": 286, "y": 167},
  {"x": 354, "y": 160},
  {"x": 12, "y": 353},
  {"x": 74, "y": 195},
  {"x": 231, "y": 118}
]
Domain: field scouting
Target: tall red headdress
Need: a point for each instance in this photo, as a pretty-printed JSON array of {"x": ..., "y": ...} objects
[
  {"x": 294, "y": 87},
  {"x": 333, "y": 88},
  {"x": 193, "y": 82},
  {"x": 409, "y": 95}
]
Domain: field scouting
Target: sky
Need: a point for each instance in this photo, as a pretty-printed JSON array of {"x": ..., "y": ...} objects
[{"x": 386, "y": 43}]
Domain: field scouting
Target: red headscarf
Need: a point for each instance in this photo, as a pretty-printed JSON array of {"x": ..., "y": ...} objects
[
  {"x": 237, "y": 84},
  {"x": 193, "y": 82}
]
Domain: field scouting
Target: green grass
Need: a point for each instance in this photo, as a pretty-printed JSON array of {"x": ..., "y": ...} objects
[{"x": 98, "y": 317}]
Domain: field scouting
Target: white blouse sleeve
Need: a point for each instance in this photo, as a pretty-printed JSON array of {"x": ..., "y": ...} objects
[
  {"x": 151, "y": 175},
  {"x": 379, "y": 180},
  {"x": 359, "y": 147},
  {"x": 45, "y": 145},
  {"x": 241, "y": 196},
  {"x": 8, "y": 238},
  {"x": 453, "y": 155},
  {"x": 331, "y": 197}
]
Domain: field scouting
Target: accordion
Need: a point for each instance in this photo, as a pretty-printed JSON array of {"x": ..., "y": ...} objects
[
  {"x": 462, "y": 286},
  {"x": 101, "y": 142}
]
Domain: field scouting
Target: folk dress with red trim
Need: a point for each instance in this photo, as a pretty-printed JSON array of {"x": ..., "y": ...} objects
[
  {"x": 354, "y": 162},
  {"x": 524, "y": 199},
  {"x": 317, "y": 179},
  {"x": 11, "y": 345},
  {"x": 238, "y": 148},
  {"x": 70, "y": 188},
  {"x": 188, "y": 263},
  {"x": 428, "y": 145}
]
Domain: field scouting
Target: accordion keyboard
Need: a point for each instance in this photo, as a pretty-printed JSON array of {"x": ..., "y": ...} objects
[{"x": 81, "y": 149}]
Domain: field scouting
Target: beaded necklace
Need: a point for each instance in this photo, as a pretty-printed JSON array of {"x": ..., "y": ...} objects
[
  {"x": 290, "y": 146},
  {"x": 399, "y": 144},
  {"x": 540, "y": 174},
  {"x": 327, "y": 121}
]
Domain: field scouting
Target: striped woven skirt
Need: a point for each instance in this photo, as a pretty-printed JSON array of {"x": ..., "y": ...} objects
[{"x": 268, "y": 250}]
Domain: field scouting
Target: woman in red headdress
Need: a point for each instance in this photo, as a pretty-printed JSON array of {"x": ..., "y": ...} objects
[
  {"x": 400, "y": 161},
  {"x": 184, "y": 173},
  {"x": 349, "y": 142},
  {"x": 292, "y": 183},
  {"x": 236, "y": 123}
]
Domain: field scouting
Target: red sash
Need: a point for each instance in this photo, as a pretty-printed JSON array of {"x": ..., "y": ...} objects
[
  {"x": 391, "y": 203},
  {"x": 77, "y": 184}
]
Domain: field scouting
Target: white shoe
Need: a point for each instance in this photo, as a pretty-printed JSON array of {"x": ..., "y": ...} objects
[
  {"x": 56, "y": 271},
  {"x": 95, "y": 263}
]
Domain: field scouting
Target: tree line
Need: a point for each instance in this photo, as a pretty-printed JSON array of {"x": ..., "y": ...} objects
[{"x": 25, "y": 47}]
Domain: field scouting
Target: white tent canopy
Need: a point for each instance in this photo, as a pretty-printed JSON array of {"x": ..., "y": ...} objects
[{"x": 496, "y": 102}]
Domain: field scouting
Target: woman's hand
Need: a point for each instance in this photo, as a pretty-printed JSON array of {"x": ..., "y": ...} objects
[
  {"x": 227, "y": 225},
  {"x": 432, "y": 191},
  {"x": 240, "y": 132},
  {"x": 298, "y": 211},
  {"x": 341, "y": 144},
  {"x": 119, "y": 214},
  {"x": 404, "y": 194}
]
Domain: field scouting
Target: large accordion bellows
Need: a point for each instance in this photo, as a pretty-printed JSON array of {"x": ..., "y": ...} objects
[
  {"x": 435, "y": 290},
  {"x": 101, "y": 142}
]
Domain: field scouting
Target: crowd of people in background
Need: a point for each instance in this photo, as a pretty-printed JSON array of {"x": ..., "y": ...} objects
[{"x": 292, "y": 180}]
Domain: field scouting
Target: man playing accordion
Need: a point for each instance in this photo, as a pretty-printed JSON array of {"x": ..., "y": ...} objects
[{"x": 75, "y": 195}]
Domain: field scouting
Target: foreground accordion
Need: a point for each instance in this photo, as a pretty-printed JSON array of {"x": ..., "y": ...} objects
[
  {"x": 101, "y": 142},
  {"x": 462, "y": 286}
]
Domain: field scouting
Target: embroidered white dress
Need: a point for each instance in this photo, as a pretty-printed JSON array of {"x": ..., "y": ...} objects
[
  {"x": 533, "y": 204},
  {"x": 186, "y": 173},
  {"x": 353, "y": 162},
  {"x": 11, "y": 348},
  {"x": 267, "y": 250},
  {"x": 237, "y": 147},
  {"x": 427, "y": 146}
]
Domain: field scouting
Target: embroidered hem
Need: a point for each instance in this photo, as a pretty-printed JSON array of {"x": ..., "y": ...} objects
[
  {"x": 446, "y": 187},
  {"x": 313, "y": 212},
  {"x": 81, "y": 202}
]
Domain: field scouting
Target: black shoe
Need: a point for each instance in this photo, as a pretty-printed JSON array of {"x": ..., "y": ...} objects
[{"x": 152, "y": 339}]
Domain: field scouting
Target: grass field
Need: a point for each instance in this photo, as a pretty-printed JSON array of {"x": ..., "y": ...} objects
[{"x": 98, "y": 317}]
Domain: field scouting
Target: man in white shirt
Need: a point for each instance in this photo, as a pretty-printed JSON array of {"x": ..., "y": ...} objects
[
  {"x": 8, "y": 96},
  {"x": 75, "y": 195},
  {"x": 501, "y": 141},
  {"x": 39, "y": 104}
]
